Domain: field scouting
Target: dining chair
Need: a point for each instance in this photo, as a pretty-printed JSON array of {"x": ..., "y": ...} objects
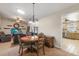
[
  {"x": 40, "y": 44},
  {"x": 22, "y": 45}
]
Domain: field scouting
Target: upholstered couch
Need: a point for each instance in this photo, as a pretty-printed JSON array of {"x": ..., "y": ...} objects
[
  {"x": 4, "y": 37},
  {"x": 49, "y": 40}
]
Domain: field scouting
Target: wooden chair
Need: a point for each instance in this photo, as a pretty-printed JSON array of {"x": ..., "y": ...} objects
[
  {"x": 40, "y": 44},
  {"x": 22, "y": 45}
]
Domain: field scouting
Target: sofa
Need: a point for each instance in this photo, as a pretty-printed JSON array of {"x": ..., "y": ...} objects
[
  {"x": 4, "y": 37},
  {"x": 49, "y": 40}
]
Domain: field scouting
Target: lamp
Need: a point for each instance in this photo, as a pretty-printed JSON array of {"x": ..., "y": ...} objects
[{"x": 34, "y": 22}]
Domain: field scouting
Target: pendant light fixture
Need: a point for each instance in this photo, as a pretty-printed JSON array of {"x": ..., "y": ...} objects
[
  {"x": 33, "y": 15},
  {"x": 33, "y": 12},
  {"x": 34, "y": 21}
]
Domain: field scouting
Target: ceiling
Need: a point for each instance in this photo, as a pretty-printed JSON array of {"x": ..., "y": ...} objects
[
  {"x": 41, "y": 9},
  {"x": 74, "y": 16}
]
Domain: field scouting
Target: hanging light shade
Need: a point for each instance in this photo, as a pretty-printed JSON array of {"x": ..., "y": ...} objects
[{"x": 33, "y": 21}]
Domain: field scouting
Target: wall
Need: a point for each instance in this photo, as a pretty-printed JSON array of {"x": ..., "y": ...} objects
[
  {"x": 52, "y": 24},
  {"x": 4, "y": 22}
]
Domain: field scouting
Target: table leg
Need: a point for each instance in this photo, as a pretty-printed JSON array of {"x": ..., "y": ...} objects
[{"x": 31, "y": 48}]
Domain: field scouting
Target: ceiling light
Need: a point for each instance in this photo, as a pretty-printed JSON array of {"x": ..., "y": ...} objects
[{"x": 20, "y": 11}]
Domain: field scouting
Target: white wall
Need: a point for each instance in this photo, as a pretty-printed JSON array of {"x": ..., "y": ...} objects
[{"x": 52, "y": 25}]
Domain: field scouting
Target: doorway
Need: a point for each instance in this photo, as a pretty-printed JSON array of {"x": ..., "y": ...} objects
[{"x": 70, "y": 33}]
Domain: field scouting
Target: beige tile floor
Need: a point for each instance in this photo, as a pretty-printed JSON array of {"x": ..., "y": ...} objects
[
  {"x": 7, "y": 50},
  {"x": 48, "y": 52},
  {"x": 71, "y": 46},
  {"x": 5, "y": 46}
]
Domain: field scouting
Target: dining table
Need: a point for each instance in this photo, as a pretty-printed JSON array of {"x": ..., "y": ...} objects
[{"x": 31, "y": 39}]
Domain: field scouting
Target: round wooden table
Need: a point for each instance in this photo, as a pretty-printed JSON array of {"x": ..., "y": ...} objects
[{"x": 31, "y": 39}]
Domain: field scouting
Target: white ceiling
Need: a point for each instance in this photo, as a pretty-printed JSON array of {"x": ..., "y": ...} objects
[
  {"x": 74, "y": 16},
  {"x": 41, "y": 10}
]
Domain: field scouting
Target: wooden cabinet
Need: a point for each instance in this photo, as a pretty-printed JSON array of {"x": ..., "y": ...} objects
[{"x": 73, "y": 35}]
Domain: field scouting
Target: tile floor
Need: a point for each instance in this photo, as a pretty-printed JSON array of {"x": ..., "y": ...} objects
[
  {"x": 6, "y": 50},
  {"x": 71, "y": 46}
]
